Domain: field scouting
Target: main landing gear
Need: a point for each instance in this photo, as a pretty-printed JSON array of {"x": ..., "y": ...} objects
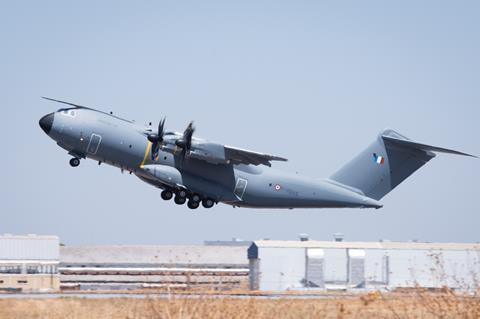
[
  {"x": 194, "y": 201},
  {"x": 193, "y": 204},
  {"x": 166, "y": 195},
  {"x": 208, "y": 203},
  {"x": 74, "y": 162},
  {"x": 181, "y": 197}
]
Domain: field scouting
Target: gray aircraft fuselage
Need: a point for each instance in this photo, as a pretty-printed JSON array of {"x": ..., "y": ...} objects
[{"x": 88, "y": 133}]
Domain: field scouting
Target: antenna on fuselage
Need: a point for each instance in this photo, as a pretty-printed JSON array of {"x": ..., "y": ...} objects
[{"x": 67, "y": 103}]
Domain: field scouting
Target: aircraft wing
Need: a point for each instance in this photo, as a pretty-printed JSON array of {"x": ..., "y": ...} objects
[{"x": 241, "y": 156}]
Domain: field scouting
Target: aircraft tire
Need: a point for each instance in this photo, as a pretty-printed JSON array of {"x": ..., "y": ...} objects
[
  {"x": 74, "y": 162},
  {"x": 182, "y": 193},
  {"x": 195, "y": 198},
  {"x": 180, "y": 200},
  {"x": 208, "y": 203},
  {"x": 166, "y": 195},
  {"x": 192, "y": 204}
]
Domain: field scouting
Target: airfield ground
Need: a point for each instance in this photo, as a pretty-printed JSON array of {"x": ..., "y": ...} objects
[{"x": 412, "y": 304}]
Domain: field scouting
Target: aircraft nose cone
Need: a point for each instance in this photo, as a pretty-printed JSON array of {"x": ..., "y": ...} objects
[{"x": 46, "y": 123}]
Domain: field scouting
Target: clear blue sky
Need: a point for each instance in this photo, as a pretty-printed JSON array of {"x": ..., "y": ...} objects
[{"x": 313, "y": 81}]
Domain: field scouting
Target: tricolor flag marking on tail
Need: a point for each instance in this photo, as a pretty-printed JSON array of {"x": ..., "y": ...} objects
[{"x": 378, "y": 159}]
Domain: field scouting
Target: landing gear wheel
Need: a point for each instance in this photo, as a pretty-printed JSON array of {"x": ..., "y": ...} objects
[
  {"x": 192, "y": 204},
  {"x": 166, "y": 195},
  {"x": 195, "y": 198},
  {"x": 182, "y": 193},
  {"x": 74, "y": 162},
  {"x": 208, "y": 203},
  {"x": 180, "y": 200}
]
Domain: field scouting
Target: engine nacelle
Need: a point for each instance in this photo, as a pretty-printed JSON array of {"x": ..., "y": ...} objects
[
  {"x": 165, "y": 174},
  {"x": 213, "y": 153}
]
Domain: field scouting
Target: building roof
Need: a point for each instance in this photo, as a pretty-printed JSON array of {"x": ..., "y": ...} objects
[
  {"x": 29, "y": 236},
  {"x": 365, "y": 245},
  {"x": 158, "y": 255}
]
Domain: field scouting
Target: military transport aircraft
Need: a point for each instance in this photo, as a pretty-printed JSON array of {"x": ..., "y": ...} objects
[{"x": 197, "y": 171}]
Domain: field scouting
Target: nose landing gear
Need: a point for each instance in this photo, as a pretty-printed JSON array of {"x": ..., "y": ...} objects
[{"x": 74, "y": 162}]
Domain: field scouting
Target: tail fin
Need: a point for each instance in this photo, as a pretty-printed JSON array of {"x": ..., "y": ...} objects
[{"x": 389, "y": 160}]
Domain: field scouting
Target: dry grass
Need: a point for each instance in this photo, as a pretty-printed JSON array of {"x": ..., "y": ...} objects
[{"x": 419, "y": 304}]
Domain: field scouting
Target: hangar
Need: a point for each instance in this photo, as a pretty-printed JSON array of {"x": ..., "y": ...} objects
[{"x": 293, "y": 265}]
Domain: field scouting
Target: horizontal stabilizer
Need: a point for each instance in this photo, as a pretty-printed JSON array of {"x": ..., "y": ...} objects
[{"x": 425, "y": 147}]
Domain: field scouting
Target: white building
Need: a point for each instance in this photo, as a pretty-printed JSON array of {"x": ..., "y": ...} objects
[
  {"x": 283, "y": 265},
  {"x": 29, "y": 263}
]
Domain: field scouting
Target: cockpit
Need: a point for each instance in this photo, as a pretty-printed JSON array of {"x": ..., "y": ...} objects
[{"x": 71, "y": 112}]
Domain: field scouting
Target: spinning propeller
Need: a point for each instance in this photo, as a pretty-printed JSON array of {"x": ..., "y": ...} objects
[
  {"x": 157, "y": 139},
  {"x": 185, "y": 143}
]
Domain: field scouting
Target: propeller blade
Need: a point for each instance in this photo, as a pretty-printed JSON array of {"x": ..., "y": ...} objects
[
  {"x": 161, "y": 128},
  {"x": 187, "y": 135},
  {"x": 157, "y": 138},
  {"x": 185, "y": 143}
]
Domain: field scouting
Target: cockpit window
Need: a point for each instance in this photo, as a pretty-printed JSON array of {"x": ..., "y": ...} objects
[
  {"x": 72, "y": 112},
  {"x": 68, "y": 112}
]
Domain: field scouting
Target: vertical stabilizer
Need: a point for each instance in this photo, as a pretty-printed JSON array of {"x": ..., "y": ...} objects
[{"x": 389, "y": 160}]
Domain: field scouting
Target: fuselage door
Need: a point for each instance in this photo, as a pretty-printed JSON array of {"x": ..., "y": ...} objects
[
  {"x": 240, "y": 188},
  {"x": 94, "y": 143}
]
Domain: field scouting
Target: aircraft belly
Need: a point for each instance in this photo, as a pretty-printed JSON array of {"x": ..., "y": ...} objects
[
  {"x": 207, "y": 188},
  {"x": 293, "y": 191},
  {"x": 164, "y": 176},
  {"x": 212, "y": 180}
]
